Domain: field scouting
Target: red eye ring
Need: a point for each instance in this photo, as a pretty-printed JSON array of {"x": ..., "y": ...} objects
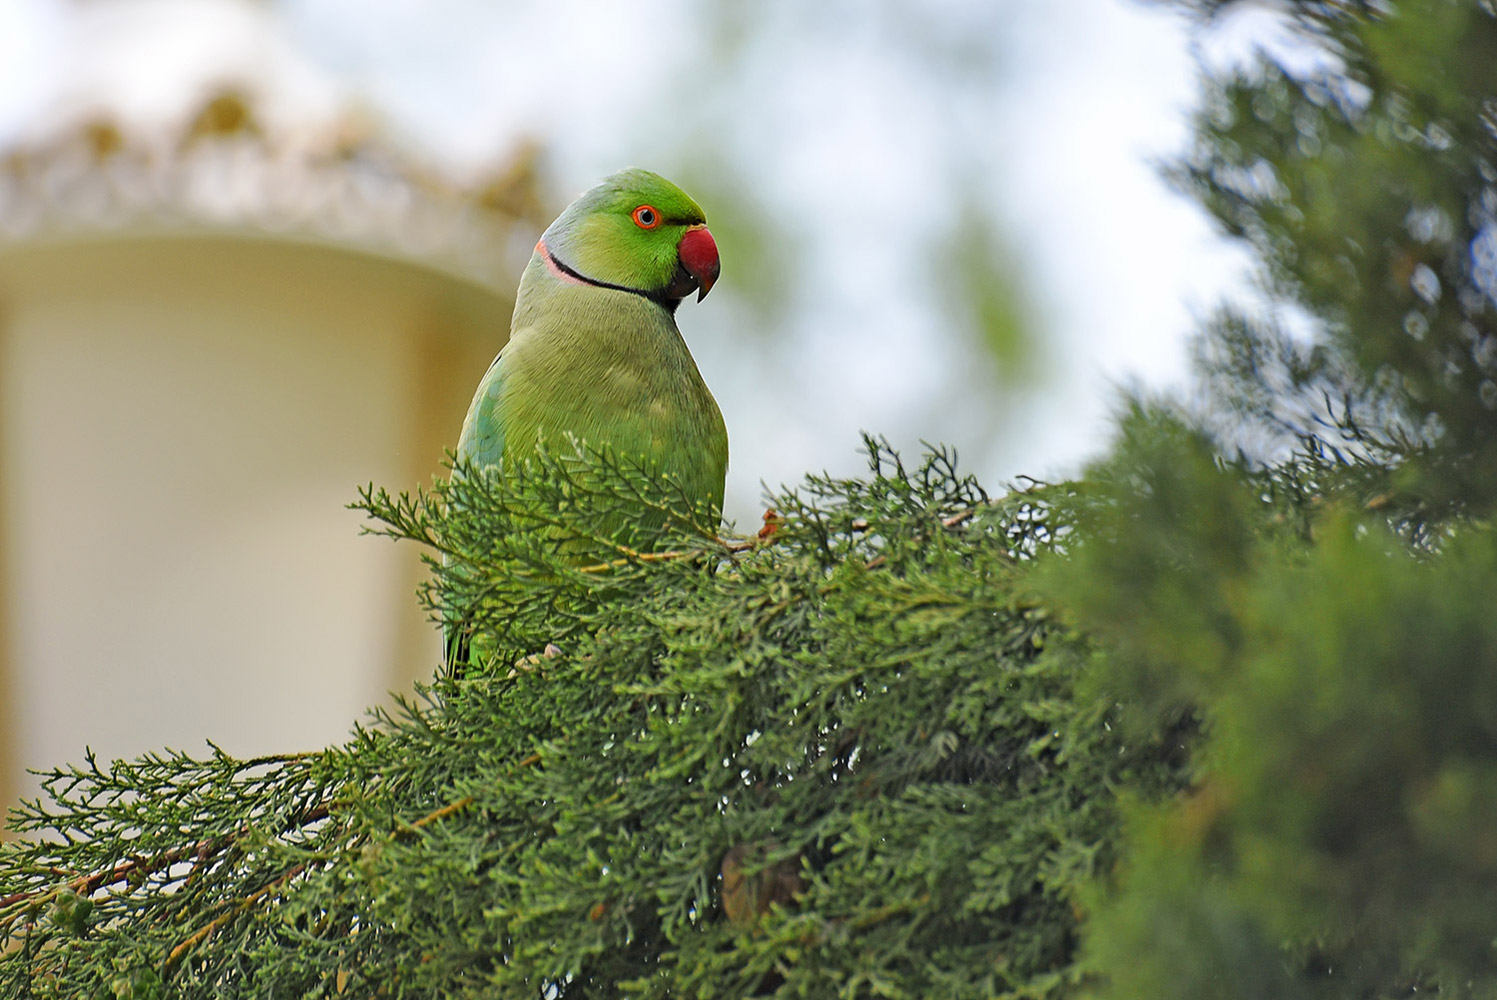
[{"x": 646, "y": 217}]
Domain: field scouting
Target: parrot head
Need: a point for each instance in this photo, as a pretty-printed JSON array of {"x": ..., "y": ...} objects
[{"x": 636, "y": 232}]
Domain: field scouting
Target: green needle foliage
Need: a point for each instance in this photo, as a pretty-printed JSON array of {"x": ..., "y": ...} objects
[{"x": 864, "y": 698}]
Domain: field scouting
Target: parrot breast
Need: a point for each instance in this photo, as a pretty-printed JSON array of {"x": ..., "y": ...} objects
[{"x": 607, "y": 367}]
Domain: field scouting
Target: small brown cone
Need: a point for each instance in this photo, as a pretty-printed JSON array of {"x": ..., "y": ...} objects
[{"x": 751, "y": 887}]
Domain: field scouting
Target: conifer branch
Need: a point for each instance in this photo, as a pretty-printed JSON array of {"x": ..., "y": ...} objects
[
  {"x": 692, "y": 710},
  {"x": 198, "y": 853},
  {"x": 217, "y": 923}
]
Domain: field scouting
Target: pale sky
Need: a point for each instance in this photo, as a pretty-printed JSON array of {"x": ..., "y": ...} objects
[{"x": 848, "y": 134}]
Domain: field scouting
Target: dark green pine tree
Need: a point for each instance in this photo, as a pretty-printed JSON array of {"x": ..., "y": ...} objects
[
  {"x": 1217, "y": 719},
  {"x": 1340, "y": 835}
]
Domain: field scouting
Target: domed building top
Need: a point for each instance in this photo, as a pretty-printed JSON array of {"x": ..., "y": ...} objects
[{"x": 179, "y": 116}]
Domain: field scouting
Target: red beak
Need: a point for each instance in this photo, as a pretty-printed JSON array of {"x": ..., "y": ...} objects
[{"x": 697, "y": 253}]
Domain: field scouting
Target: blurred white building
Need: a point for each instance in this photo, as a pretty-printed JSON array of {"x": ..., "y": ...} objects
[{"x": 225, "y": 303}]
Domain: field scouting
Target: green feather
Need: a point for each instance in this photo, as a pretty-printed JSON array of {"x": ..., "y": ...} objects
[{"x": 605, "y": 365}]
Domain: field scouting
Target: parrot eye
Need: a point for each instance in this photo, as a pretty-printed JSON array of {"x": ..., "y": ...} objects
[{"x": 645, "y": 217}]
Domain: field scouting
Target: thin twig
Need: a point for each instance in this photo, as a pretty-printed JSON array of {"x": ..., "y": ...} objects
[
  {"x": 203, "y": 933},
  {"x": 200, "y": 851},
  {"x": 736, "y": 545},
  {"x": 453, "y": 808},
  {"x": 432, "y": 817}
]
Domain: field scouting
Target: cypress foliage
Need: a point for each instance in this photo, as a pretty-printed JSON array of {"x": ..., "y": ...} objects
[{"x": 862, "y": 708}]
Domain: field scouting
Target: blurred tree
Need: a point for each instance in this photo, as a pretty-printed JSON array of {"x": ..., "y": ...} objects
[
  {"x": 1367, "y": 186},
  {"x": 1322, "y": 604}
]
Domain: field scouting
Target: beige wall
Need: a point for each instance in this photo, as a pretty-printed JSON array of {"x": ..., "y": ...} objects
[
  {"x": 10, "y": 711},
  {"x": 181, "y": 424}
]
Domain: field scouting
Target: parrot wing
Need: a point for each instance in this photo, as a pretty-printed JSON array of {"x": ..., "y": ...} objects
[
  {"x": 481, "y": 444},
  {"x": 482, "y": 438}
]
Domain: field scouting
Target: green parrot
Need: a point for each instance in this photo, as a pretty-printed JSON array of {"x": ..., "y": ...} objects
[{"x": 594, "y": 352}]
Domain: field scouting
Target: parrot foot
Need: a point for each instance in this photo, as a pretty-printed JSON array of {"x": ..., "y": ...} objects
[{"x": 551, "y": 652}]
